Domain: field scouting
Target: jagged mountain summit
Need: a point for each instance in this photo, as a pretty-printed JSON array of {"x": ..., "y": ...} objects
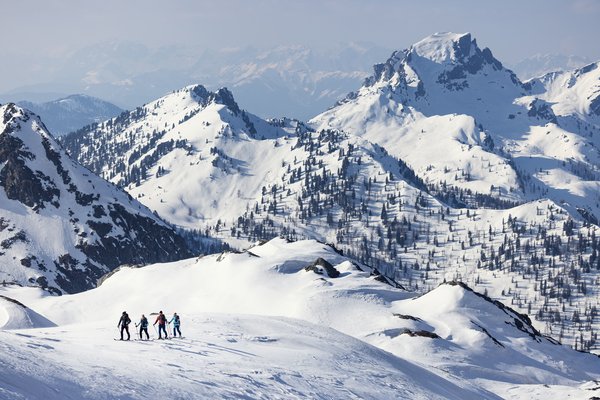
[
  {"x": 458, "y": 117},
  {"x": 166, "y": 152},
  {"x": 62, "y": 227},
  {"x": 272, "y": 316},
  {"x": 71, "y": 113}
]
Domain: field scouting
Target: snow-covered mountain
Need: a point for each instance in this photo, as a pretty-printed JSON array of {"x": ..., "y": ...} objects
[
  {"x": 282, "y": 320},
  {"x": 70, "y": 113},
  {"x": 167, "y": 151},
  {"x": 459, "y": 118},
  {"x": 573, "y": 93},
  {"x": 62, "y": 227},
  {"x": 202, "y": 163}
]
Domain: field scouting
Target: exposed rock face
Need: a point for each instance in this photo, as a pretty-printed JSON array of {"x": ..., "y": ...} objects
[
  {"x": 62, "y": 227},
  {"x": 321, "y": 264}
]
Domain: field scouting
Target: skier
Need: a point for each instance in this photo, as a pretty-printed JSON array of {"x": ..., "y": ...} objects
[
  {"x": 176, "y": 322},
  {"x": 162, "y": 322},
  {"x": 143, "y": 326},
  {"x": 124, "y": 324}
]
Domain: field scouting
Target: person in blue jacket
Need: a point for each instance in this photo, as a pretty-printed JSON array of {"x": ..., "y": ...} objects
[{"x": 176, "y": 323}]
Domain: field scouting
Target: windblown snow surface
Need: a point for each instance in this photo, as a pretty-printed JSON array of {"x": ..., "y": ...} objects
[{"x": 258, "y": 324}]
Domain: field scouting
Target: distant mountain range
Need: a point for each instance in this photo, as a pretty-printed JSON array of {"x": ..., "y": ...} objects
[
  {"x": 70, "y": 113},
  {"x": 294, "y": 81}
]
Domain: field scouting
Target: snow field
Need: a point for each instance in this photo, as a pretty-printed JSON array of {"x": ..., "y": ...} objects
[{"x": 257, "y": 325}]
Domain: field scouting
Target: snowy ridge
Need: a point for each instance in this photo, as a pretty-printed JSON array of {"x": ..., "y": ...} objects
[
  {"x": 14, "y": 315},
  {"x": 450, "y": 343},
  {"x": 61, "y": 227},
  {"x": 575, "y": 92}
]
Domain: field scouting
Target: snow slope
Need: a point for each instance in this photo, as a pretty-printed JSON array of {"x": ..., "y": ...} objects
[
  {"x": 236, "y": 310},
  {"x": 229, "y": 356}
]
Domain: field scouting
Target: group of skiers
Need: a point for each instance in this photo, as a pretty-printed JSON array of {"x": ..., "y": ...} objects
[{"x": 161, "y": 320}]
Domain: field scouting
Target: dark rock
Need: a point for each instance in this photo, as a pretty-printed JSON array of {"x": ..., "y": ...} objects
[
  {"x": 420, "y": 333},
  {"x": 403, "y": 316},
  {"x": 19, "y": 182},
  {"x": 378, "y": 276},
  {"x": 20, "y": 236},
  {"x": 595, "y": 106},
  {"x": 319, "y": 264},
  {"x": 542, "y": 110}
]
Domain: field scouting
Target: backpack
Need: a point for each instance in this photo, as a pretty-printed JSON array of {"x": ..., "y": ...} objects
[
  {"x": 162, "y": 318},
  {"x": 126, "y": 321},
  {"x": 177, "y": 320},
  {"x": 144, "y": 322}
]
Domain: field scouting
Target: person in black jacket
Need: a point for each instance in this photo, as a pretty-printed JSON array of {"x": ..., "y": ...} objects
[
  {"x": 143, "y": 326},
  {"x": 124, "y": 324}
]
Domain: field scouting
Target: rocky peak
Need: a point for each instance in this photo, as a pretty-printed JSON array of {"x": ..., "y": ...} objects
[
  {"x": 222, "y": 96},
  {"x": 447, "y": 58}
]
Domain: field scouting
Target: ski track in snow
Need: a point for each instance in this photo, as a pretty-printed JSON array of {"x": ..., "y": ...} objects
[{"x": 229, "y": 357}]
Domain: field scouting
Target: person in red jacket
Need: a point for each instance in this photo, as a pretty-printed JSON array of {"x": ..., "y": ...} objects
[{"x": 161, "y": 320}]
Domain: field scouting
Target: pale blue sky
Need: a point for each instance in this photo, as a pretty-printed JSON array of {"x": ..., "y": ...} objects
[
  {"x": 38, "y": 34},
  {"x": 512, "y": 29}
]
